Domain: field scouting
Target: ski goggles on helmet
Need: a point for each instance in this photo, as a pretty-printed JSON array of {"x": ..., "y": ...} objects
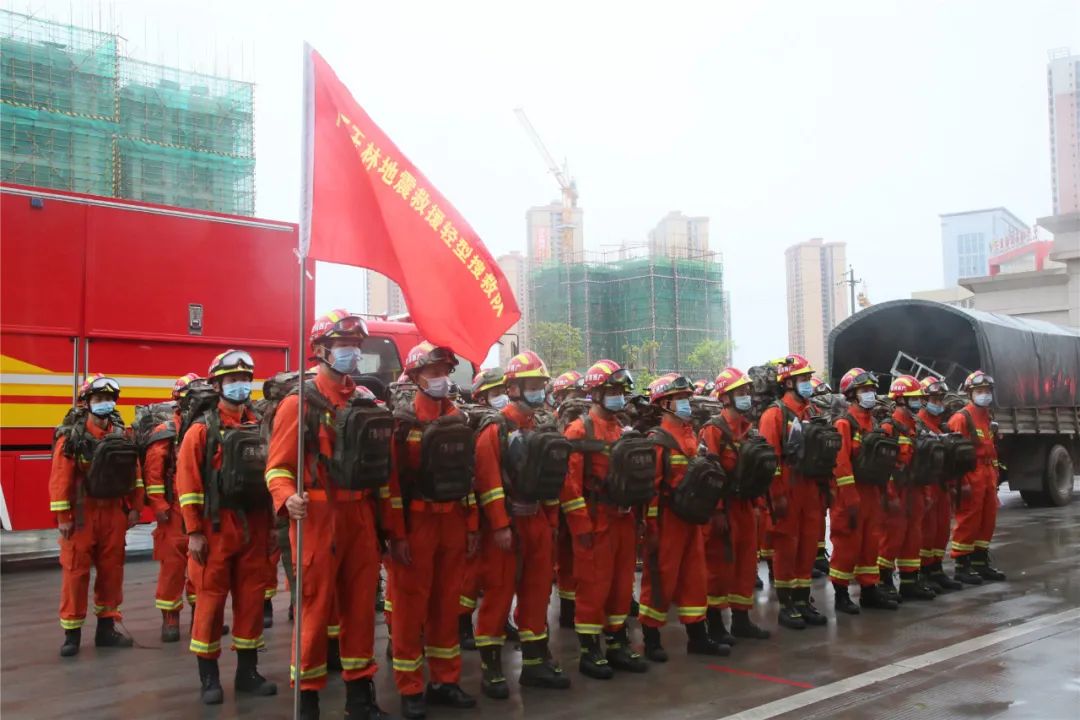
[
  {"x": 864, "y": 378},
  {"x": 348, "y": 326},
  {"x": 102, "y": 385},
  {"x": 232, "y": 361},
  {"x": 937, "y": 387},
  {"x": 679, "y": 383},
  {"x": 980, "y": 380},
  {"x": 621, "y": 376}
]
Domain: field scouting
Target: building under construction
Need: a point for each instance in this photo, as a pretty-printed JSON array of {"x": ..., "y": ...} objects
[
  {"x": 677, "y": 302},
  {"x": 78, "y": 115}
]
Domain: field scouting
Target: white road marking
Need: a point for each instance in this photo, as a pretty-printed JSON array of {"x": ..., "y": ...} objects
[{"x": 902, "y": 667}]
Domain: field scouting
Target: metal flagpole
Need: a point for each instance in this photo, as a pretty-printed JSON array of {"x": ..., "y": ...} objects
[{"x": 304, "y": 240}]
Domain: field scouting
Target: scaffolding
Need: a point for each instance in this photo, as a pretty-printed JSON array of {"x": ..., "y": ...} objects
[
  {"x": 678, "y": 302},
  {"x": 75, "y": 114}
]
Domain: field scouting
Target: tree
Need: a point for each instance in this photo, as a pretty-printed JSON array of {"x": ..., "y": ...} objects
[
  {"x": 641, "y": 360},
  {"x": 710, "y": 357},
  {"x": 559, "y": 345}
]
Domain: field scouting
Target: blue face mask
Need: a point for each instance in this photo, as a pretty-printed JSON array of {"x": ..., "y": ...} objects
[
  {"x": 237, "y": 392},
  {"x": 934, "y": 408},
  {"x": 345, "y": 359},
  {"x": 102, "y": 409},
  {"x": 915, "y": 405},
  {"x": 438, "y": 387},
  {"x": 614, "y": 403},
  {"x": 867, "y": 399},
  {"x": 534, "y": 398},
  {"x": 498, "y": 401},
  {"x": 682, "y": 408},
  {"x": 805, "y": 388},
  {"x": 983, "y": 399},
  {"x": 743, "y": 403}
]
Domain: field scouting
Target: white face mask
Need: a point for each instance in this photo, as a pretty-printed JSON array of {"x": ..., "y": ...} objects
[
  {"x": 983, "y": 399},
  {"x": 499, "y": 401},
  {"x": 438, "y": 387},
  {"x": 867, "y": 399}
]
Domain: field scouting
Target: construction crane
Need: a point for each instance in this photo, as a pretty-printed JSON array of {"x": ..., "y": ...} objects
[{"x": 566, "y": 183}]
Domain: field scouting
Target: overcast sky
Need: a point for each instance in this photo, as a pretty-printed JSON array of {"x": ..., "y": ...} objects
[{"x": 858, "y": 122}]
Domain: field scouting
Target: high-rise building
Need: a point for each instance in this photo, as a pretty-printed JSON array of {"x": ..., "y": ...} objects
[
  {"x": 967, "y": 239},
  {"x": 1062, "y": 79},
  {"x": 77, "y": 114},
  {"x": 679, "y": 236},
  {"x": 384, "y": 297},
  {"x": 513, "y": 267},
  {"x": 544, "y": 227},
  {"x": 817, "y": 298}
]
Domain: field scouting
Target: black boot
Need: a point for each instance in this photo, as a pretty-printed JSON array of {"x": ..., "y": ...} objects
[
  {"x": 465, "y": 632},
  {"x": 413, "y": 707},
  {"x": 743, "y": 627},
  {"x": 107, "y": 635},
  {"x": 593, "y": 663},
  {"x": 492, "y": 681},
  {"x": 843, "y": 602},
  {"x": 936, "y": 574},
  {"x": 714, "y": 618},
  {"x": 699, "y": 643},
  {"x": 912, "y": 589},
  {"x": 360, "y": 701},
  {"x": 885, "y": 585},
  {"x": 635, "y": 606},
  {"x": 805, "y": 605},
  {"x": 980, "y": 563},
  {"x": 872, "y": 597},
  {"x": 268, "y": 613},
  {"x": 964, "y": 573},
  {"x": 333, "y": 654},
  {"x": 248, "y": 679},
  {"x": 759, "y": 584},
  {"x": 170, "y": 626},
  {"x": 211, "y": 692},
  {"x": 654, "y": 651},
  {"x": 72, "y": 640},
  {"x": 789, "y": 616},
  {"x": 309, "y": 705},
  {"x": 821, "y": 562},
  {"x": 539, "y": 669},
  {"x": 449, "y": 695},
  {"x": 772, "y": 576},
  {"x": 566, "y": 613},
  {"x": 512, "y": 634},
  {"x": 621, "y": 656}
]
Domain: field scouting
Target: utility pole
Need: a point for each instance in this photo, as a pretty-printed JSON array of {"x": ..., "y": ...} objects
[{"x": 851, "y": 282}]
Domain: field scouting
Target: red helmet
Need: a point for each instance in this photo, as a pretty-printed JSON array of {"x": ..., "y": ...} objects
[
  {"x": 570, "y": 380},
  {"x": 487, "y": 380},
  {"x": 791, "y": 366},
  {"x": 669, "y": 385},
  {"x": 99, "y": 384},
  {"x": 905, "y": 386},
  {"x": 820, "y": 386},
  {"x": 856, "y": 378},
  {"x": 182, "y": 385},
  {"x": 338, "y": 323},
  {"x": 977, "y": 379},
  {"x": 607, "y": 373},
  {"x": 934, "y": 386},
  {"x": 229, "y": 363},
  {"x": 526, "y": 365},
  {"x": 426, "y": 354},
  {"x": 729, "y": 379}
]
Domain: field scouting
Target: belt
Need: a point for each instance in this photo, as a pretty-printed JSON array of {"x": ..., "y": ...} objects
[
  {"x": 523, "y": 509},
  {"x": 321, "y": 495},
  {"x": 431, "y": 506}
]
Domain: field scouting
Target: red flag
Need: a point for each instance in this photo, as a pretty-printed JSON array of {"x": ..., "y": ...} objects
[{"x": 370, "y": 207}]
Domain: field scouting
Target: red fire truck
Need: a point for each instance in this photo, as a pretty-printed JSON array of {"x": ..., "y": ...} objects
[{"x": 143, "y": 293}]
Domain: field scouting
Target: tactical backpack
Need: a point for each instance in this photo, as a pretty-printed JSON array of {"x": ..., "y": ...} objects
[
  {"x": 875, "y": 462},
  {"x": 363, "y": 431},
  {"x": 696, "y": 496},
  {"x": 239, "y": 483},
  {"x": 447, "y": 454},
  {"x": 960, "y": 455},
  {"x": 812, "y": 446},
  {"x": 756, "y": 465},
  {"x": 928, "y": 462},
  {"x": 114, "y": 466},
  {"x": 535, "y": 462},
  {"x": 631, "y": 467},
  {"x": 570, "y": 410}
]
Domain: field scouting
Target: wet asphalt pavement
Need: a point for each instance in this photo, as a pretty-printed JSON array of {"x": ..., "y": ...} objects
[{"x": 1003, "y": 650}]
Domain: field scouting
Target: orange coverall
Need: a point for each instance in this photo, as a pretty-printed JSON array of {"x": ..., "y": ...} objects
[
  {"x": 170, "y": 540},
  {"x": 340, "y": 548},
  {"x": 426, "y": 593},
  {"x": 977, "y": 516},
  {"x": 681, "y": 546},
  {"x": 902, "y": 539},
  {"x": 98, "y": 540},
  {"x": 731, "y": 557},
  {"x": 237, "y": 549},
  {"x": 855, "y": 549},
  {"x": 938, "y": 518}
]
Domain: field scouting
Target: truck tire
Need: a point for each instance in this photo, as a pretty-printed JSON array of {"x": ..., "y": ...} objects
[{"x": 1058, "y": 478}]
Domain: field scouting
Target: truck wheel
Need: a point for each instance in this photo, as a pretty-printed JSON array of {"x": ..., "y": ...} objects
[{"x": 1058, "y": 481}]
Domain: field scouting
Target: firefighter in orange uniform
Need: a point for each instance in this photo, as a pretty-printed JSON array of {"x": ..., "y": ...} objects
[
  {"x": 430, "y": 543},
  {"x": 675, "y": 548},
  {"x": 569, "y": 385},
  {"x": 228, "y": 538},
  {"x": 903, "y": 530},
  {"x": 797, "y": 502},
  {"x": 340, "y": 543},
  {"x": 977, "y": 516},
  {"x": 732, "y": 538},
  {"x": 94, "y": 508},
  {"x": 604, "y": 535},
  {"x": 170, "y": 540},
  {"x": 488, "y": 390},
  {"x": 516, "y": 532},
  {"x": 855, "y": 515},
  {"x": 938, "y": 518}
]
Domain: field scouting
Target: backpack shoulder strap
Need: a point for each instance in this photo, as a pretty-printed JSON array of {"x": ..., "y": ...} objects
[{"x": 970, "y": 422}]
